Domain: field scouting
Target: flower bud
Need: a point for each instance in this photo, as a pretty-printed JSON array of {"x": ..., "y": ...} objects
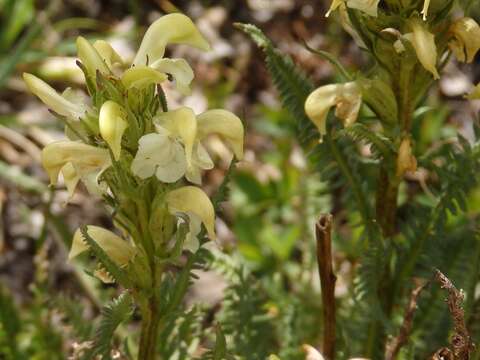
[
  {"x": 119, "y": 250},
  {"x": 52, "y": 99},
  {"x": 346, "y": 97},
  {"x": 174, "y": 29},
  {"x": 191, "y": 199},
  {"x": 107, "y": 53},
  {"x": 405, "y": 161},
  {"x": 423, "y": 42},
  {"x": 90, "y": 58},
  {"x": 466, "y": 39},
  {"x": 112, "y": 125}
]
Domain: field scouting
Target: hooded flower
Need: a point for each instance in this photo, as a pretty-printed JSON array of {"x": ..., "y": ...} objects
[
  {"x": 423, "y": 42},
  {"x": 119, "y": 250},
  {"x": 193, "y": 202},
  {"x": 346, "y": 97},
  {"x": 74, "y": 160},
  {"x": 369, "y": 7},
  {"x": 179, "y": 134},
  {"x": 112, "y": 123},
  {"x": 149, "y": 66},
  {"x": 466, "y": 39},
  {"x": 61, "y": 104}
]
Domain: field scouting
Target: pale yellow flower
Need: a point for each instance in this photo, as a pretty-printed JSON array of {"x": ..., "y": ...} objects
[
  {"x": 176, "y": 149},
  {"x": 112, "y": 123},
  {"x": 192, "y": 200},
  {"x": 466, "y": 39},
  {"x": 346, "y": 97},
  {"x": 60, "y": 104},
  {"x": 369, "y": 7},
  {"x": 118, "y": 249},
  {"x": 149, "y": 66},
  {"x": 74, "y": 160}
]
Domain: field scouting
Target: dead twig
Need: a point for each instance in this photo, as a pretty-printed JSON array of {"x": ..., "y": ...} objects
[
  {"x": 460, "y": 342},
  {"x": 323, "y": 234},
  {"x": 394, "y": 346}
]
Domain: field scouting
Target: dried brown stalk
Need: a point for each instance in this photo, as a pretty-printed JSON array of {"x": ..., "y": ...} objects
[
  {"x": 394, "y": 346},
  {"x": 323, "y": 233},
  {"x": 461, "y": 344}
]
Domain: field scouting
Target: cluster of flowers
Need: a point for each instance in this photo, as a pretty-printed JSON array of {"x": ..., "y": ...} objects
[
  {"x": 125, "y": 140},
  {"x": 413, "y": 37}
]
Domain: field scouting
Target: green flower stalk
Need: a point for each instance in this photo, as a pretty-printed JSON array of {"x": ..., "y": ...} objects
[{"x": 127, "y": 147}]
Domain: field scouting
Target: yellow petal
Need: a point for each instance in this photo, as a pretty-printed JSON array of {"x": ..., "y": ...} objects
[
  {"x": 334, "y": 6},
  {"x": 347, "y": 98},
  {"x": 424, "y": 12},
  {"x": 85, "y": 158},
  {"x": 112, "y": 125},
  {"x": 475, "y": 94},
  {"x": 141, "y": 76},
  {"x": 466, "y": 39},
  {"x": 90, "y": 58},
  {"x": 225, "y": 124},
  {"x": 51, "y": 98},
  {"x": 182, "y": 123},
  {"x": 423, "y": 42},
  {"x": 70, "y": 177},
  {"x": 107, "y": 53},
  {"x": 119, "y": 250},
  {"x": 169, "y": 29},
  {"x": 180, "y": 71},
  {"x": 318, "y": 104},
  {"x": 369, "y": 7},
  {"x": 191, "y": 199}
]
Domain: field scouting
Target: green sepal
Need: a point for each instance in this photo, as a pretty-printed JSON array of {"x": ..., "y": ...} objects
[{"x": 379, "y": 96}]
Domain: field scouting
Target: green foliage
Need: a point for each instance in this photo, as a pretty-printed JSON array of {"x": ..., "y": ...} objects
[
  {"x": 292, "y": 85},
  {"x": 113, "y": 314}
]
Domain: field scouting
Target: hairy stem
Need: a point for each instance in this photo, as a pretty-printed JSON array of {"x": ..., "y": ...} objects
[
  {"x": 323, "y": 234},
  {"x": 148, "y": 336}
]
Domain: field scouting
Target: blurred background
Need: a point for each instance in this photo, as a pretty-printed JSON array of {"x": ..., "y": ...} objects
[{"x": 275, "y": 196}]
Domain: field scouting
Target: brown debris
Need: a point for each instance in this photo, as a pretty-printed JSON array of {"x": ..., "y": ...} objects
[
  {"x": 395, "y": 344},
  {"x": 461, "y": 344}
]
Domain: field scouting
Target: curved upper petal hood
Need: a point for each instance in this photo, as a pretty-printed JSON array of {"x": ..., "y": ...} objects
[
  {"x": 119, "y": 250},
  {"x": 84, "y": 158},
  {"x": 224, "y": 123},
  {"x": 191, "y": 199},
  {"x": 347, "y": 97},
  {"x": 466, "y": 39},
  {"x": 56, "y": 102},
  {"x": 169, "y": 29}
]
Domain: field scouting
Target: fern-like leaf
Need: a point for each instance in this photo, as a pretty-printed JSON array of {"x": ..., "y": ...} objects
[
  {"x": 113, "y": 314},
  {"x": 118, "y": 274},
  {"x": 291, "y": 82},
  {"x": 380, "y": 145}
]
